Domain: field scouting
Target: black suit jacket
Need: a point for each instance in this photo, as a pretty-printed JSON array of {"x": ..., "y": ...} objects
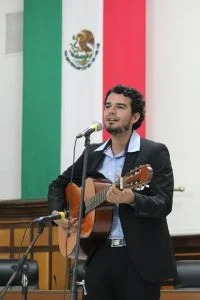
[{"x": 144, "y": 223}]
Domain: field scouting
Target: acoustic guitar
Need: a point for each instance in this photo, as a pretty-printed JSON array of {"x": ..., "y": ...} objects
[{"x": 97, "y": 218}]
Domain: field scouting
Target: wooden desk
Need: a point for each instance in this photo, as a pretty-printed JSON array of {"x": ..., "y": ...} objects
[{"x": 58, "y": 295}]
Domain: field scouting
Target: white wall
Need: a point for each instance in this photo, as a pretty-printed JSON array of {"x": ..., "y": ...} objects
[
  {"x": 173, "y": 99},
  {"x": 10, "y": 109}
]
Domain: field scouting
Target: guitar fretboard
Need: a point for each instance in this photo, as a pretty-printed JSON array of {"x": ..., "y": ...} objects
[{"x": 96, "y": 200}]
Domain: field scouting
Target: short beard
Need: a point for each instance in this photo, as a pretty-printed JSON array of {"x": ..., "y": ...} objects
[{"x": 118, "y": 130}]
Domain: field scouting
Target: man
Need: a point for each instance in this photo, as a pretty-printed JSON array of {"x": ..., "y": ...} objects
[{"x": 137, "y": 255}]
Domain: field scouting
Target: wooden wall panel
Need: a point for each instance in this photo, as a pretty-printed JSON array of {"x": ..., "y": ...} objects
[
  {"x": 59, "y": 276},
  {"x": 18, "y": 235},
  {"x": 54, "y": 236},
  {"x": 4, "y": 237},
  {"x": 4, "y": 255},
  {"x": 44, "y": 269},
  {"x": 16, "y": 215},
  {"x": 43, "y": 239}
]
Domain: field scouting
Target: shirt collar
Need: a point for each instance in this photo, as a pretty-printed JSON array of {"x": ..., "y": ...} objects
[{"x": 134, "y": 143}]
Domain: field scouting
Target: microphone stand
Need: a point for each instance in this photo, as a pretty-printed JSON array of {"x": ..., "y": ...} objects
[
  {"x": 80, "y": 217},
  {"x": 24, "y": 281},
  {"x": 20, "y": 267}
]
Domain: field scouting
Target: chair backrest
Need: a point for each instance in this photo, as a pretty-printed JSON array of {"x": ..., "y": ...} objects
[
  {"x": 8, "y": 266},
  {"x": 188, "y": 274}
]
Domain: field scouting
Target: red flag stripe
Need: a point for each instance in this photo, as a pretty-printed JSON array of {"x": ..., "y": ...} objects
[{"x": 124, "y": 46}]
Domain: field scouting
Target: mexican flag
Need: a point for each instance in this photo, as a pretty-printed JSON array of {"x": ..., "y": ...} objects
[{"x": 74, "y": 51}]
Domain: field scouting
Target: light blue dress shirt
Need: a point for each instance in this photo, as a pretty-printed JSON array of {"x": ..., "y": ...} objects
[{"x": 111, "y": 168}]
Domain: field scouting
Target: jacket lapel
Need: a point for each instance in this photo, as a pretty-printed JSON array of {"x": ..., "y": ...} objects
[{"x": 129, "y": 162}]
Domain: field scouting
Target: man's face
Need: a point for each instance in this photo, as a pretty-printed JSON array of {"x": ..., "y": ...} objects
[{"x": 118, "y": 116}]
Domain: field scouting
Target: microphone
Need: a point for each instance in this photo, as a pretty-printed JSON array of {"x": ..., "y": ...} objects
[
  {"x": 46, "y": 219},
  {"x": 96, "y": 126}
]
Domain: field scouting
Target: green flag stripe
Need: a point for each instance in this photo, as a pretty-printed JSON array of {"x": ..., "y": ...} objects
[{"x": 41, "y": 124}]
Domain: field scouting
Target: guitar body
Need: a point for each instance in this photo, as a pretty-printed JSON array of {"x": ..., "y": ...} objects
[
  {"x": 96, "y": 224},
  {"x": 98, "y": 213}
]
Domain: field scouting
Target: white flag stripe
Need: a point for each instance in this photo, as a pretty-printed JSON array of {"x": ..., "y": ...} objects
[{"x": 81, "y": 89}]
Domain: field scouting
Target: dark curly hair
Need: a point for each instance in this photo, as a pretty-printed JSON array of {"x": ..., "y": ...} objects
[{"x": 137, "y": 103}]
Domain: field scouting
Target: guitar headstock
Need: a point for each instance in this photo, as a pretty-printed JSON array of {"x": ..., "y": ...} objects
[{"x": 137, "y": 179}]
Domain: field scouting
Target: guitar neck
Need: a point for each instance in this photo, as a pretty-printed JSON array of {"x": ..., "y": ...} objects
[
  {"x": 135, "y": 179},
  {"x": 96, "y": 200}
]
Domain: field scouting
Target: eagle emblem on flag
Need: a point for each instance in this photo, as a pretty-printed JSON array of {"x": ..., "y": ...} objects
[{"x": 83, "y": 50}]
